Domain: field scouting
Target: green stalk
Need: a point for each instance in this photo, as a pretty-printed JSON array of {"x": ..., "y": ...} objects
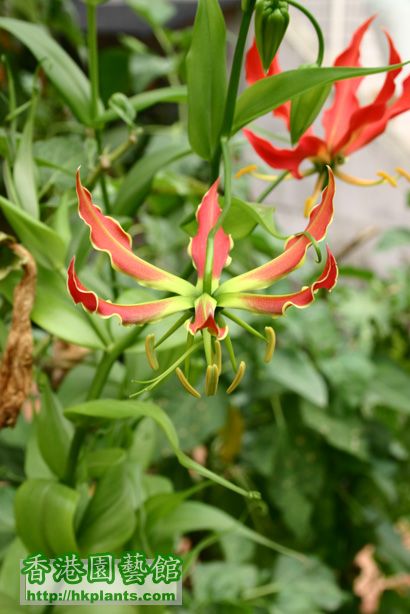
[
  {"x": 109, "y": 358},
  {"x": 93, "y": 57},
  {"x": 75, "y": 449},
  {"x": 233, "y": 84},
  {"x": 101, "y": 375},
  {"x": 209, "y": 258},
  {"x": 272, "y": 186},
  {"x": 317, "y": 28}
]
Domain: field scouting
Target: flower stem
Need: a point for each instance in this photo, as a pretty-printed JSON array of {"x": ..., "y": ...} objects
[
  {"x": 236, "y": 70},
  {"x": 209, "y": 258},
  {"x": 75, "y": 448},
  {"x": 109, "y": 358},
  {"x": 93, "y": 57},
  {"x": 317, "y": 28},
  {"x": 233, "y": 85},
  {"x": 272, "y": 186}
]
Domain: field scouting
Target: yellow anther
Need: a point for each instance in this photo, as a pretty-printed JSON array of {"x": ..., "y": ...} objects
[
  {"x": 245, "y": 170},
  {"x": 363, "y": 183},
  {"x": 265, "y": 177},
  {"x": 218, "y": 355},
  {"x": 309, "y": 202},
  {"x": 401, "y": 171},
  {"x": 238, "y": 377},
  {"x": 188, "y": 387},
  {"x": 150, "y": 352},
  {"x": 270, "y": 343},
  {"x": 387, "y": 178},
  {"x": 211, "y": 380}
]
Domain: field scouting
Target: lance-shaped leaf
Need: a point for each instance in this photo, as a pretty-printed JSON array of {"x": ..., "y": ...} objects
[
  {"x": 205, "y": 307},
  {"x": 63, "y": 72},
  {"x": 129, "y": 314},
  {"x": 207, "y": 215},
  {"x": 274, "y": 91},
  {"x": 277, "y": 305},
  {"x": 294, "y": 253},
  {"x": 206, "y": 77},
  {"x": 107, "y": 235}
]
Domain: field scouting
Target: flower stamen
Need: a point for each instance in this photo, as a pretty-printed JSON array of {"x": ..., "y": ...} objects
[
  {"x": 186, "y": 384},
  {"x": 311, "y": 200},
  {"x": 389, "y": 178},
  {"x": 401, "y": 171},
  {"x": 218, "y": 355},
  {"x": 238, "y": 377},
  {"x": 270, "y": 343},
  {"x": 150, "y": 352},
  {"x": 211, "y": 380}
]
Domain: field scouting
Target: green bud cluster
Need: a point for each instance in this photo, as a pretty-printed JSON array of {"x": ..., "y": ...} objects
[{"x": 271, "y": 22}]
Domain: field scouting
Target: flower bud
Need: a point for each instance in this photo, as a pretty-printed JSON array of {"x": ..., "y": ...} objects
[{"x": 271, "y": 22}]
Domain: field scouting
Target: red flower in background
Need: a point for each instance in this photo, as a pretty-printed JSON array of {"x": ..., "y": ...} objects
[{"x": 347, "y": 125}]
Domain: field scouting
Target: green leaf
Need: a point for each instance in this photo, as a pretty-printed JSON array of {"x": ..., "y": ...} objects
[
  {"x": 142, "y": 101},
  {"x": 144, "y": 443},
  {"x": 62, "y": 71},
  {"x": 121, "y": 105},
  {"x": 99, "y": 461},
  {"x": 155, "y": 13},
  {"x": 24, "y": 171},
  {"x": 305, "y": 108},
  {"x": 111, "y": 409},
  {"x": 269, "y": 93},
  {"x": 295, "y": 372},
  {"x": 394, "y": 237},
  {"x": 9, "y": 579},
  {"x": 54, "y": 432},
  {"x": 137, "y": 183},
  {"x": 47, "y": 247},
  {"x": 390, "y": 387},
  {"x": 306, "y": 587},
  {"x": 244, "y": 216},
  {"x": 109, "y": 519},
  {"x": 196, "y": 516},
  {"x": 45, "y": 516},
  {"x": 206, "y": 78},
  {"x": 56, "y": 313},
  {"x": 222, "y": 581},
  {"x": 345, "y": 433}
]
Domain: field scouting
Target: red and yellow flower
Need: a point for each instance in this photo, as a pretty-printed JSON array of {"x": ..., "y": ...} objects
[
  {"x": 203, "y": 312},
  {"x": 347, "y": 125}
]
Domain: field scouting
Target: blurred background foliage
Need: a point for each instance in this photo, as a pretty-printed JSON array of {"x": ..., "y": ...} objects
[{"x": 322, "y": 432}]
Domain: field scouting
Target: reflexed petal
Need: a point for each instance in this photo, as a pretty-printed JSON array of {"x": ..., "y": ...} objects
[
  {"x": 294, "y": 253},
  {"x": 207, "y": 215},
  {"x": 370, "y": 121},
  {"x": 277, "y": 305},
  {"x": 370, "y": 132},
  {"x": 204, "y": 318},
  {"x": 107, "y": 235},
  {"x": 128, "y": 314},
  {"x": 336, "y": 118},
  {"x": 288, "y": 159},
  {"x": 254, "y": 72}
]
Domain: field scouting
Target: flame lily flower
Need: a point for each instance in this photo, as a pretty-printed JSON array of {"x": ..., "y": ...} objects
[
  {"x": 203, "y": 312},
  {"x": 347, "y": 125}
]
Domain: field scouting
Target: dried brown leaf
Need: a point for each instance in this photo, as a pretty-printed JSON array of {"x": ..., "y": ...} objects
[
  {"x": 370, "y": 584},
  {"x": 17, "y": 359}
]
